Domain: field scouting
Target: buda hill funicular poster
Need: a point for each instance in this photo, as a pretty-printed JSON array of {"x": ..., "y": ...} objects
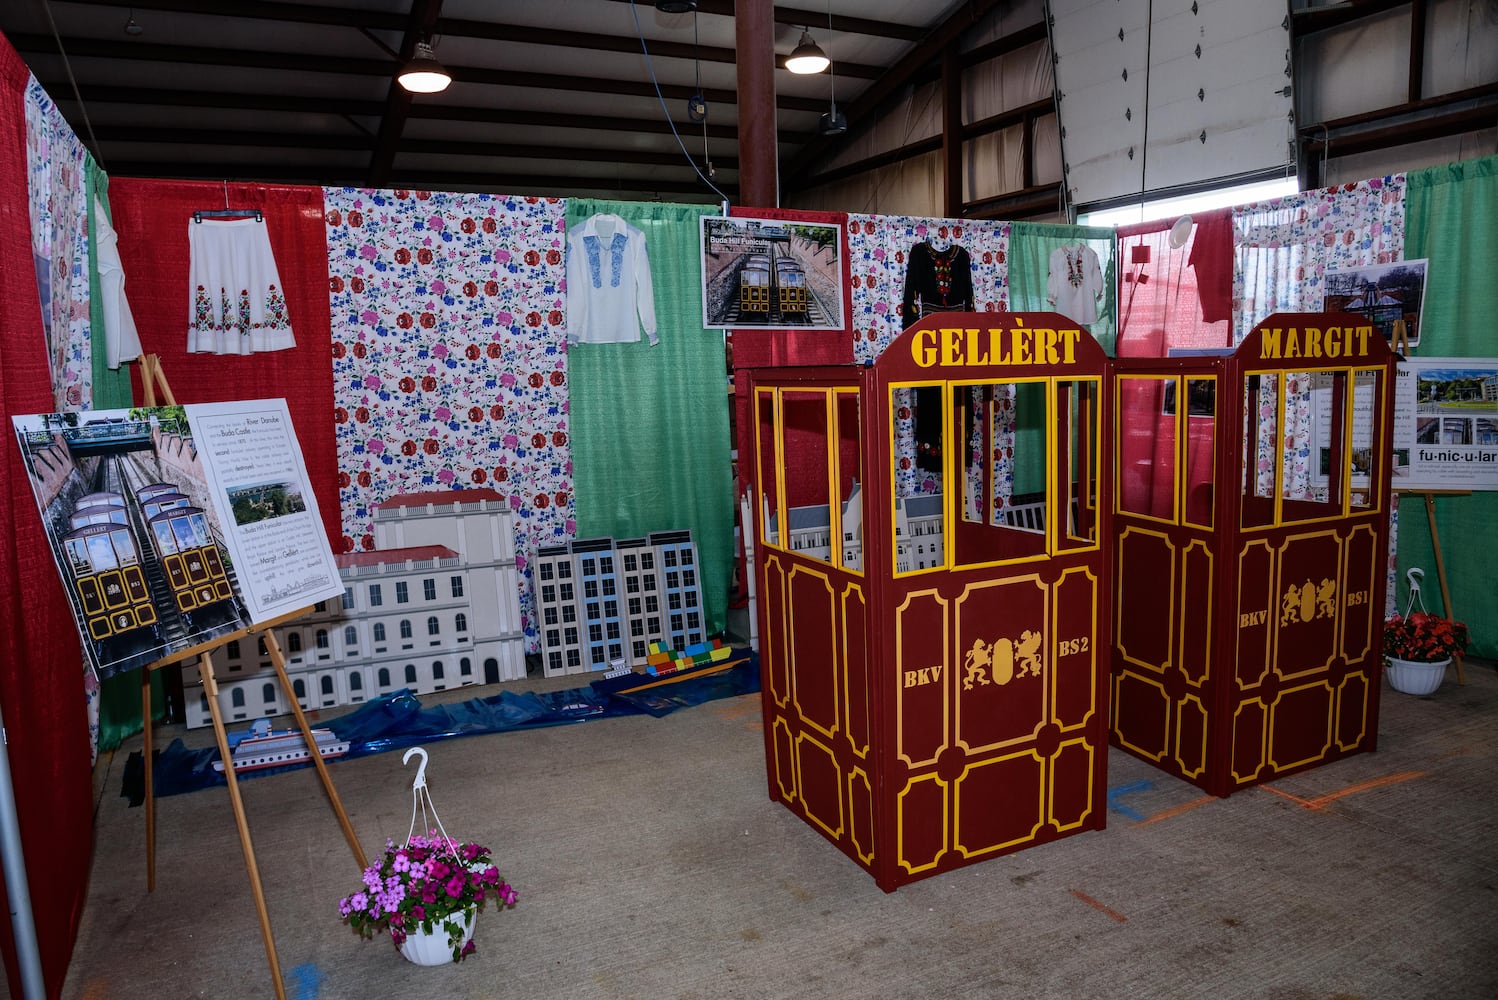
[
  {"x": 174, "y": 525},
  {"x": 771, "y": 273}
]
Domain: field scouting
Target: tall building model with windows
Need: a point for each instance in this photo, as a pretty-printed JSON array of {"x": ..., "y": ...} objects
[
  {"x": 603, "y": 600},
  {"x": 435, "y": 605}
]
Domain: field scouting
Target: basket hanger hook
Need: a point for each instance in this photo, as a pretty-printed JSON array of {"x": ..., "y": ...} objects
[{"x": 421, "y": 769}]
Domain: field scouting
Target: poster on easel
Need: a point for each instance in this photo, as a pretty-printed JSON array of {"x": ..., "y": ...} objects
[
  {"x": 1446, "y": 424},
  {"x": 1391, "y": 296},
  {"x": 174, "y": 525}
]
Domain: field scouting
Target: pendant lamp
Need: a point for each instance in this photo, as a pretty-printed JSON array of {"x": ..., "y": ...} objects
[
  {"x": 807, "y": 57},
  {"x": 424, "y": 74}
]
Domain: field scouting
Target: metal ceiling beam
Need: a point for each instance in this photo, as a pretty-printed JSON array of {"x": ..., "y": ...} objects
[
  {"x": 423, "y": 16},
  {"x": 928, "y": 50},
  {"x": 817, "y": 19},
  {"x": 94, "y": 93},
  {"x": 1308, "y": 20},
  {"x": 99, "y": 94},
  {"x": 202, "y": 138},
  {"x": 297, "y": 13},
  {"x": 197, "y": 55},
  {"x": 324, "y": 175}
]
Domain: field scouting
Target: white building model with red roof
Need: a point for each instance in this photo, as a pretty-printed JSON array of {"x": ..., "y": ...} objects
[{"x": 434, "y": 605}]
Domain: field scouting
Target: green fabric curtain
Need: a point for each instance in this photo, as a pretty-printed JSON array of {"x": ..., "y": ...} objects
[
  {"x": 650, "y": 446},
  {"x": 1030, "y": 247},
  {"x": 119, "y": 696},
  {"x": 111, "y": 388},
  {"x": 1449, "y": 218}
]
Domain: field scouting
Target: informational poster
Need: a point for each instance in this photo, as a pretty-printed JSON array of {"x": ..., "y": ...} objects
[
  {"x": 1363, "y": 427},
  {"x": 771, "y": 273},
  {"x": 1445, "y": 425},
  {"x": 1392, "y": 296},
  {"x": 174, "y": 525}
]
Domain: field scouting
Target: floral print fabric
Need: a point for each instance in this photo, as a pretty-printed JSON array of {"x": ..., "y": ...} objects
[
  {"x": 58, "y": 201},
  {"x": 449, "y": 361},
  {"x": 879, "y": 254},
  {"x": 1283, "y": 249}
]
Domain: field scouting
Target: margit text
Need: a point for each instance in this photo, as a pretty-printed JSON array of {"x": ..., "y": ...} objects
[
  {"x": 1313, "y": 342},
  {"x": 955, "y": 347}
]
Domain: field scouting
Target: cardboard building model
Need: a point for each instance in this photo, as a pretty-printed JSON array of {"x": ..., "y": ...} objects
[{"x": 434, "y": 605}]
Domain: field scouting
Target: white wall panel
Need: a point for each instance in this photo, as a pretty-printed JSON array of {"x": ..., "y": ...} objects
[
  {"x": 1460, "y": 45},
  {"x": 1216, "y": 71},
  {"x": 1355, "y": 68}
]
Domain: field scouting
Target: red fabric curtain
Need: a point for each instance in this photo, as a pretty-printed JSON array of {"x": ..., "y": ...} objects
[
  {"x": 152, "y": 219},
  {"x": 1172, "y": 297},
  {"x": 41, "y": 668}
]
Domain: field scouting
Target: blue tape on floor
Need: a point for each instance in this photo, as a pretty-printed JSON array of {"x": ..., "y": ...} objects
[{"x": 1114, "y": 794}]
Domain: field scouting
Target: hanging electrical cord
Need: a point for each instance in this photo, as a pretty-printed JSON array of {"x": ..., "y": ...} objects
[
  {"x": 67, "y": 65},
  {"x": 696, "y": 105},
  {"x": 650, "y": 67}
]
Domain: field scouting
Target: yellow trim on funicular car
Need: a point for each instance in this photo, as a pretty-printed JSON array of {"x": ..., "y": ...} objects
[
  {"x": 954, "y": 477},
  {"x": 1378, "y": 478}
]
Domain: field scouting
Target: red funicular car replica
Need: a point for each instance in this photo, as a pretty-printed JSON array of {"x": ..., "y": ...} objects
[
  {"x": 1250, "y": 539},
  {"x": 933, "y": 595}
]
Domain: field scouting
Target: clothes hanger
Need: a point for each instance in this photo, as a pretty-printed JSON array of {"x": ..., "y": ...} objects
[{"x": 226, "y": 212}]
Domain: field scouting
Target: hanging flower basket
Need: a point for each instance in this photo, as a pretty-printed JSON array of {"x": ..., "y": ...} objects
[
  {"x": 427, "y": 892},
  {"x": 1415, "y": 677},
  {"x": 1418, "y": 647}
]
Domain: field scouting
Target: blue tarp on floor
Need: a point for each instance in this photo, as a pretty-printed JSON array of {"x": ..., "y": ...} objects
[{"x": 398, "y": 720}]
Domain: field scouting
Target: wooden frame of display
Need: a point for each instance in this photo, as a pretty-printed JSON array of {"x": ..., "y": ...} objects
[{"x": 151, "y": 377}]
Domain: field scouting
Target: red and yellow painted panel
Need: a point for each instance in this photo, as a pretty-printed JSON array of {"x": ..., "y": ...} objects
[{"x": 1003, "y": 750}]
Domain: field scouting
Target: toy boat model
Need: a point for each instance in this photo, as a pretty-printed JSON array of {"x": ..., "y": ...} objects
[
  {"x": 260, "y": 746},
  {"x": 668, "y": 666}
]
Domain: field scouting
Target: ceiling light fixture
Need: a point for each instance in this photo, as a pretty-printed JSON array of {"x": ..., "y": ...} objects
[
  {"x": 807, "y": 57},
  {"x": 132, "y": 26},
  {"x": 676, "y": 6},
  {"x": 424, "y": 74},
  {"x": 834, "y": 122}
]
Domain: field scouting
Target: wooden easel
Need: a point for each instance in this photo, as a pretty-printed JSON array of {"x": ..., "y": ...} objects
[
  {"x": 151, "y": 377},
  {"x": 1435, "y": 544}
]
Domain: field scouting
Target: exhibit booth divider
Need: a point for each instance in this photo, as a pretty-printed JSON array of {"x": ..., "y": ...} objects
[
  {"x": 41, "y": 686},
  {"x": 650, "y": 439},
  {"x": 1448, "y": 214},
  {"x": 934, "y": 667}
]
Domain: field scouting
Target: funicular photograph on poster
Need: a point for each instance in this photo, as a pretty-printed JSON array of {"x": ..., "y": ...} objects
[
  {"x": 1392, "y": 296},
  {"x": 771, "y": 273},
  {"x": 174, "y": 525}
]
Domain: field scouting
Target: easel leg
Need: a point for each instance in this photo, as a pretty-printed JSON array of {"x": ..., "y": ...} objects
[
  {"x": 274, "y": 647},
  {"x": 205, "y": 671},
  {"x": 1435, "y": 544},
  {"x": 145, "y": 718}
]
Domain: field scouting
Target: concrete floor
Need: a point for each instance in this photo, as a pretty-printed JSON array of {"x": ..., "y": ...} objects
[{"x": 650, "y": 863}]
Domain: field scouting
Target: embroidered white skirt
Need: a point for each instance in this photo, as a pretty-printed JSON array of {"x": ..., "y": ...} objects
[{"x": 237, "y": 304}]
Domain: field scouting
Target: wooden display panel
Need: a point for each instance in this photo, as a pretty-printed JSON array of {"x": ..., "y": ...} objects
[
  {"x": 1247, "y": 640},
  {"x": 936, "y": 678}
]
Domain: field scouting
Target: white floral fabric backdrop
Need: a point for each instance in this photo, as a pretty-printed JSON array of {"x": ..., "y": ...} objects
[
  {"x": 878, "y": 255},
  {"x": 58, "y": 195},
  {"x": 449, "y": 357}
]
